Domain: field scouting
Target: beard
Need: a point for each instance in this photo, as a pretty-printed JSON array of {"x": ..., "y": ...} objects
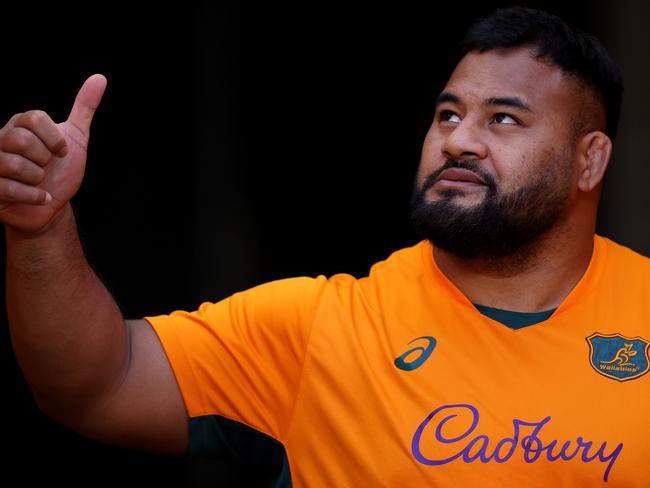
[{"x": 502, "y": 224}]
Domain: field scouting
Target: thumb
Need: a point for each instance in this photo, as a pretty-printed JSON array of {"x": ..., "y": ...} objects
[{"x": 86, "y": 102}]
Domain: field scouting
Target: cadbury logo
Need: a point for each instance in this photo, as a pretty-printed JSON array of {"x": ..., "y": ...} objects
[{"x": 531, "y": 447}]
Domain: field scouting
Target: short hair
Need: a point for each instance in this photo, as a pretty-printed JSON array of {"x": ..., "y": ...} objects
[{"x": 574, "y": 51}]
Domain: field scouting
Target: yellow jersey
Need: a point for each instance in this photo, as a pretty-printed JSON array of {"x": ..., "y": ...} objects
[{"x": 396, "y": 379}]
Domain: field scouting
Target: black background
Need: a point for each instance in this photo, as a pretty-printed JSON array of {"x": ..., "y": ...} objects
[{"x": 236, "y": 144}]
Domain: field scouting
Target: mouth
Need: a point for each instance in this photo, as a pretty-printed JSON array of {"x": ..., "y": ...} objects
[{"x": 459, "y": 178}]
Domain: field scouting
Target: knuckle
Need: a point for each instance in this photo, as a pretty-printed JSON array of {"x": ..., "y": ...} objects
[
  {"x": 13, "y": 120},
  {"x": 11, "y": 166},
  {"x": 20, "y": 139},
  {"x": 7, "y": 138},
  {"x": 11, "y": 190},
  {"x": 34, "y": 117}
]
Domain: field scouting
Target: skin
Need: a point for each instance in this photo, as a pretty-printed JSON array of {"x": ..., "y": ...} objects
[
  {"x": 110, "y": 380},
  {"x": 513, "y": 144},
  {"x": 88, "y": 368}
]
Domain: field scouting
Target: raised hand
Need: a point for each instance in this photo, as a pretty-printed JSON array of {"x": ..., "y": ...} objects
[{"x": 42, "y": 163}]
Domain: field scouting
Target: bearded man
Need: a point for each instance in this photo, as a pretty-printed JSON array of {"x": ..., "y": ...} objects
[{"x": 508, "y": 348}]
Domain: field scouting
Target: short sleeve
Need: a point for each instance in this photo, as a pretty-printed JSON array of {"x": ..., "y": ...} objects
[{"x": 241, "y": 358}]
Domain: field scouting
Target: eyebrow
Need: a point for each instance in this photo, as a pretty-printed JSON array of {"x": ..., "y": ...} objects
[
  {"x": 447, "y": 97},
  {"x": 514, "y": 102}
]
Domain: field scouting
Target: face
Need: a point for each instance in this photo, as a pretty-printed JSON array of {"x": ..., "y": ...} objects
[{"x": 497, "y": 166}]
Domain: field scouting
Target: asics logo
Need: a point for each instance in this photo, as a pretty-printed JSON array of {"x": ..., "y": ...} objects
[{"x": 416, "y": 356}]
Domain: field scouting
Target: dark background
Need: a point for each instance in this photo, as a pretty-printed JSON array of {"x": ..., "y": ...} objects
[{"x": 240, "y": 143}]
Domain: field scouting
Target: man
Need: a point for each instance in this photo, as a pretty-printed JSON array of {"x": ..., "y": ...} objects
[{"x": 510, "y": 347}]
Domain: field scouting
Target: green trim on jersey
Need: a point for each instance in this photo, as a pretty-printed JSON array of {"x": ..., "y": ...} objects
[
  {"x": 214, "y": 436},
  {"x": 514, "y": 320}
]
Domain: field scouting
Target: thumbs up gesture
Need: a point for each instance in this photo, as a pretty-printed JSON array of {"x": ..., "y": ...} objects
[{"x": 42, "y": 163}]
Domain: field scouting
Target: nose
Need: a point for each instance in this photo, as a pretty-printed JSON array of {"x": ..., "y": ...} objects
[{"x": 465, "y": 141}]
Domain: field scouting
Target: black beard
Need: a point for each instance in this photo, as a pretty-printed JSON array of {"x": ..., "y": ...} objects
[{"x": 501, "y": 225}]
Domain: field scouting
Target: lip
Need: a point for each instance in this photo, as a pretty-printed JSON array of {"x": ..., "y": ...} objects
[{"x": 459, "y": 177}]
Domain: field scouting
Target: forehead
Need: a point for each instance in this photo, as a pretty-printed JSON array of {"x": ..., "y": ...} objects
[{"x": 512, "y": 72}]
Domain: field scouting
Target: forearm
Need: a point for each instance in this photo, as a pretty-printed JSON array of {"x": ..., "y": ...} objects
[{"x": 68, "y": 334}]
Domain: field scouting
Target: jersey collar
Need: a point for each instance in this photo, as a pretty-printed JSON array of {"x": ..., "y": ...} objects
[{"x": 586, "y": 284}]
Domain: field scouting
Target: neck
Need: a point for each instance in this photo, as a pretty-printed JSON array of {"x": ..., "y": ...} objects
[{"x": 537, "y": 278}]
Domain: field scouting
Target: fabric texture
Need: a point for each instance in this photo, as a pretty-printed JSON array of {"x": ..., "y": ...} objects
[{"x": 396, "y": 379}]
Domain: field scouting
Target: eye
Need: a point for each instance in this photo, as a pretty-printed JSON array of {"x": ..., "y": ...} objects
[
  {"x": 449, "y": 116},
  {"x": 505, "y": 119}
]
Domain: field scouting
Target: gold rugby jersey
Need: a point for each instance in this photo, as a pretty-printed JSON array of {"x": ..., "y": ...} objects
[{"x": 396, "y": 379}]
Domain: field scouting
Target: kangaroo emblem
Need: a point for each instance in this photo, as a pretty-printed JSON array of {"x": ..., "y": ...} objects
[
  {"x": 622, "y": 355},
  {"x": 631, "y": 360}
]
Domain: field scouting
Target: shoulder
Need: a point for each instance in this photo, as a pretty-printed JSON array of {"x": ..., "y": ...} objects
[
  {"x": 401, "y": 265},
  {"x": 397, "y": 277},
  {"x": 406, "y": 261},
  {"x": 624, "y": 257},
  {"x": 624, "y": 269},
  {"x": 400, "y": 269}
]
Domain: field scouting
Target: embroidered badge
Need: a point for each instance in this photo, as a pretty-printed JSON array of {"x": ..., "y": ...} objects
[{"x": 618, "y": 357}]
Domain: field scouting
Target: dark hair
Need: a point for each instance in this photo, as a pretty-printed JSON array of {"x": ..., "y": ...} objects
[{"x": 572, "y": 50}]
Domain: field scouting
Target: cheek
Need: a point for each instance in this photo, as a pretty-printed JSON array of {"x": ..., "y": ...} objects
[
  {"x": 433, "y": 141},
  {"x": 513, "y": 165},
  {"x": 550, "y": 164},
  {"x": 431, "y": 157}
]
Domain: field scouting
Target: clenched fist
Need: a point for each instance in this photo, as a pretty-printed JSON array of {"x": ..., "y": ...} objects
[{"x": 42, "y": 163}]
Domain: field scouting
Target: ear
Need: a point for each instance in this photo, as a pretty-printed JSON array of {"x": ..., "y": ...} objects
[{"x": 594, "y": 151}]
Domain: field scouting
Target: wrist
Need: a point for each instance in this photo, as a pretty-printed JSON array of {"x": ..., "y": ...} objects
[{"x": 61, "y": 221}]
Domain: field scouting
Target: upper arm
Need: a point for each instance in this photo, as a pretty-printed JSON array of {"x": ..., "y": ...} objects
[
  {"x": 146, "y": 410},
  {"x": 240, "y": 358}
]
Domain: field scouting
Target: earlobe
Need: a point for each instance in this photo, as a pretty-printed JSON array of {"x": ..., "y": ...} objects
[{"x": 595, "y": 151}]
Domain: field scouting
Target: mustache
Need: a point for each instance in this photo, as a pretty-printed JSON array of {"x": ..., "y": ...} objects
[{"x": 467, "y": 164}]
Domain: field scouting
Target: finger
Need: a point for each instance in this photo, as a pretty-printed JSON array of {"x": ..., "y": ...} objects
[
  {"x": 24, "y": 142},
  {"x": 13, "y": 119},
  {"x": 45, "y": 129},
  {"x": 19, "y": 168},
  {"x": 86, "y": 102},
  {"x": 15, "y": 192}
]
